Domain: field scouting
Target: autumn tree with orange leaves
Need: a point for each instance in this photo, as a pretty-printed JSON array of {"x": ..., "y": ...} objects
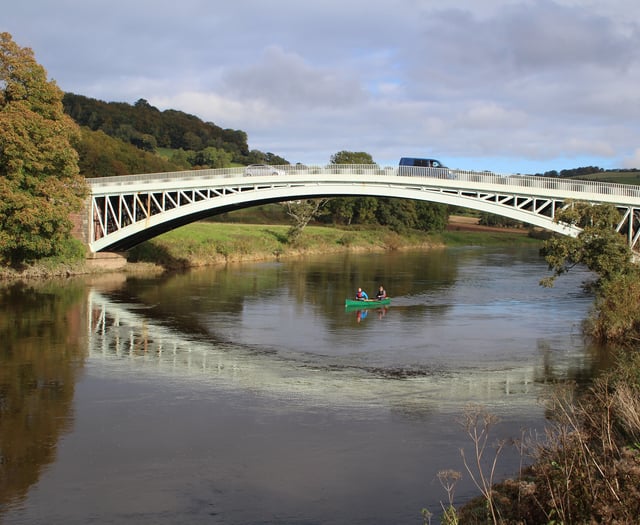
[{"x": 40, "y": 183}]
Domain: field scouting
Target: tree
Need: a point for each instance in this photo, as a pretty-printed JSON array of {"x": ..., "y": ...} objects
[
  {"x": 40, "y": 183},
  {"x": 347, "y": 210},
  {"x": 351, "y": 157},
  {"x": 599, "y": 247},
  {"x": 397, "y": 214},
  {"x": 301, "y": 213},
  {"x": 211, "y": 157},
  {"x": 616, "y": 316},
  {"x": 432, "y": 216}
]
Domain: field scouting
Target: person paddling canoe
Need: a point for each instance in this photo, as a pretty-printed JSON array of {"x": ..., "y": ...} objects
[
  {"x": 382, "y": 293},
  {"x": 361, "y": 295}
]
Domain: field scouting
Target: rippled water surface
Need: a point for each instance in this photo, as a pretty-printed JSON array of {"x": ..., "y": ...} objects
[{"x": 248, "y": 395}]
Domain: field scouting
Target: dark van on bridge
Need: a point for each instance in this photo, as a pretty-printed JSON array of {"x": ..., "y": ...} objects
[{"x": 413, "y": 166}]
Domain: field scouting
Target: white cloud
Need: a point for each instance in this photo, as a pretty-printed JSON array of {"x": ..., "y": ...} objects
[
  {"x": 284, "y": 80},
  {"x": 510, "y": 81},
  {"x": 211, "y": 107}
]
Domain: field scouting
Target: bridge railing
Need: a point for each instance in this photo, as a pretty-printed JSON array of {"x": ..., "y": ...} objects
[
  {"x": 526, "y": 181},
  {"x": 551, "y": 183}
]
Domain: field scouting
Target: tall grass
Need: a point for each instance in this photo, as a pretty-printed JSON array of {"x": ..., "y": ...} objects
[{"x": 584, "y": 469}]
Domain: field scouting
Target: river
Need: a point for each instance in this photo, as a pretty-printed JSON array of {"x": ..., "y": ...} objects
[{"x": 248, "y": 395}]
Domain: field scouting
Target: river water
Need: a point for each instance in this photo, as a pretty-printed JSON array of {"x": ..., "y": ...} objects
[{"x": 248, "y": 395}]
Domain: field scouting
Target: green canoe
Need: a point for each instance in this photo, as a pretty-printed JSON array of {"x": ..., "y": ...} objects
[{"x": 367, "y": 303}]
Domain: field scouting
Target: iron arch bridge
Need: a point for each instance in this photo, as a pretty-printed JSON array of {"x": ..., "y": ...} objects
[{"x": 127, "y": 210}]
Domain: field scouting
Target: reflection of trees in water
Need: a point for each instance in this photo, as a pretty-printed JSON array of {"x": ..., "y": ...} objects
[
  {"x": 323, "y": 282},
  {"x": 578, "y": 378},
  {"x": 43, "y": 331}
]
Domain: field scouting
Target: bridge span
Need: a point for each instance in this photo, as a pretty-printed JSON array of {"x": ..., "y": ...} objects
[{"x": 126, "y": 210}]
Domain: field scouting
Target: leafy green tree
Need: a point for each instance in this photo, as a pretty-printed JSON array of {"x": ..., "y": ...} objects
[
  {"x": 144, "y": 141},
  {"x": 340, "y": 211},
  {"x": 599, "y": 247},
  {"x": 39, "y": 177},
  {"x": 431, "y": 216},
  {"x": 192, "y": 141},
  {"x": 275, "y": 160},
  {"x": 351, "y": 157},
  {"x": 348, "y": 210},
  {"x": 211, "y": 157},
  {"x": 180, "y": 158},
  {"x": 258, "y": 157},
  {"x": 398, "y": 214},
  {"x": 616, "y": 316}
]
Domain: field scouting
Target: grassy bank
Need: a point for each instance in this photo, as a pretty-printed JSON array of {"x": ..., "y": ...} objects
[
  {"x": 207, "y": 243},
  {"x": 210, "y": 243}
]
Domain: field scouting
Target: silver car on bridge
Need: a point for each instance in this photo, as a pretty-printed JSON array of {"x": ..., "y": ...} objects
[{"x": 261, "y": 169}]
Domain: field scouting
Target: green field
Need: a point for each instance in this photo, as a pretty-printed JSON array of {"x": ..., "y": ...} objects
[{"x": 620, "y": 177}]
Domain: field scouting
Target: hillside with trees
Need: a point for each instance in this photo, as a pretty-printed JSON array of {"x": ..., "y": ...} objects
[
  {"x": 103, "y": 156},
  {"x": 146, "y": 135}
]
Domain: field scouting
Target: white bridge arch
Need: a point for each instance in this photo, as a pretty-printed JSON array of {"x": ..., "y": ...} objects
[{"x": 127, "y": 210}]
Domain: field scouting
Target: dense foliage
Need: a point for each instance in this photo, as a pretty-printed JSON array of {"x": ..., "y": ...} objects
[
  {"x": 193, "y": 142},
  {"x": 491, "y": 219},
  {"x": 148, "y": 128},
  {"x": 586, "y": 172},
  {"x": 104, "y": 156},
  {"x": 39, "y": 177},
  {"x": 599, "y": 247}
]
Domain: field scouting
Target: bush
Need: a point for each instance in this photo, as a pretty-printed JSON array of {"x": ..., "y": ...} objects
[{"x": 616, "y": 317}]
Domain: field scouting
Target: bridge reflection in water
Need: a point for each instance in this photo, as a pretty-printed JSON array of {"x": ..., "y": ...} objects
[{"x": 127, "y": 343}]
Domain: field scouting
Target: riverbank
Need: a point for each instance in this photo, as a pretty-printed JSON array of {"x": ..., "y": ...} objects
[
  {"x": 206, "y": 243},
  {"x": 212, "y": 243}
]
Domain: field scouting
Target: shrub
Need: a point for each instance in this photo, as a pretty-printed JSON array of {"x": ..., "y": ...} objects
[{"x": 616, "y": 317}]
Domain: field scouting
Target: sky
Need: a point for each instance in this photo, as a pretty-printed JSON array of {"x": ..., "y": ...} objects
[{"x": 511, "y": 86}]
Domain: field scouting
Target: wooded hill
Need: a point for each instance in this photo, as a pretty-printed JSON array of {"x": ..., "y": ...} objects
[
  {"x": 596, "y": 173},
  {"x": 120, "y": 138}
]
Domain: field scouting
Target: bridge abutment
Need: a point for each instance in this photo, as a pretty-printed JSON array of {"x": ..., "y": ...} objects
[
  {"x": 80, "y": 228},
  {"x": 97, "y": 260},
  {"x": 107, "y": 260}
]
